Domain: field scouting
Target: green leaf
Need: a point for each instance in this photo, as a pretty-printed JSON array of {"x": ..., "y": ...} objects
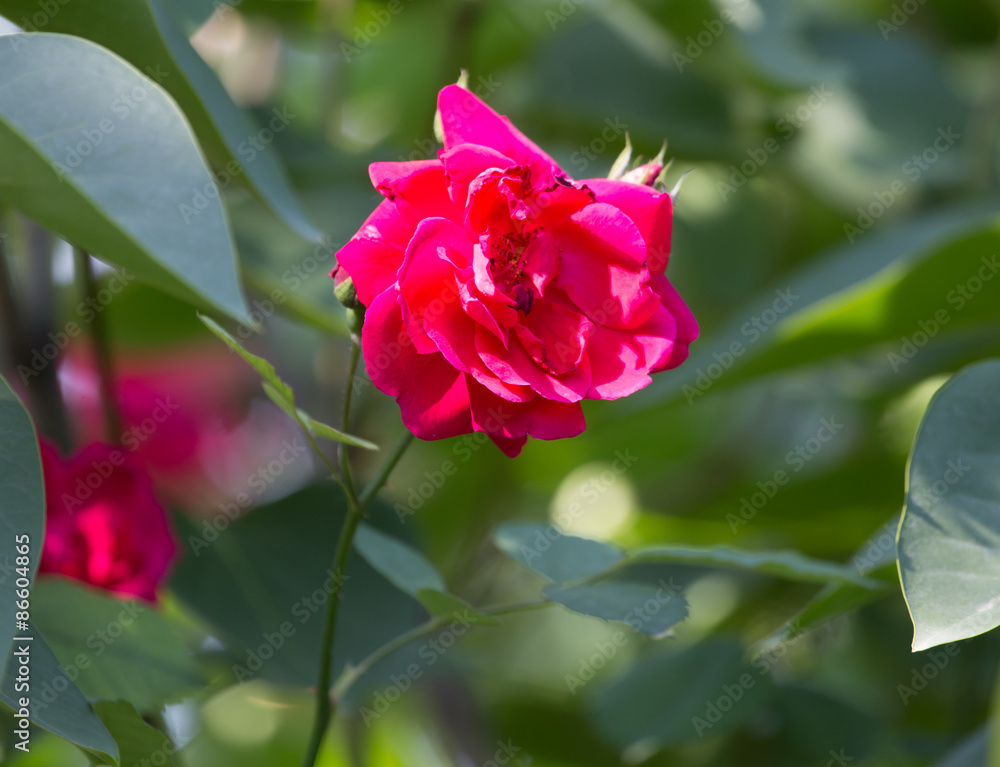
[
  {"x": 263, "y": 585},
  {"x": 554, "y": 555},
  {"x": 790, "y": 565},
  {"x": 648, "y": 608},
  {"x": 100, "y": 154},
  {"x": 149, "y": 34},
  {"x": 673, "y": 697},
  {"x": 56, "y": 703},
  {"x": 948, "y": 544},
  {"x": 281, "y": 393},
  {"x": 444, "y": 605},
  {"x": 120, "y": 649},
  {"x": 325, "y": 431},
  {"x": 22, "y": 506},
  {"x": 405, "y": 567},
  {"x": 409, "y": 571},
  {"x": 137, "y": 742},
  {"x": 264, "y": 368}
]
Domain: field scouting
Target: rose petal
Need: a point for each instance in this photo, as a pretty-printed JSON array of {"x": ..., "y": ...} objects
[
  {"x": 465, "y": 119},
  {"x": 373, "y": 255},
  {"x": 651, "y": 211},
  {"x": 541, "y": 418},
  {"x": 621, "y": 361},
  {"x": 602, "y": 267},
  {"x": 687, "y": 325},
  {"x": 436, "y": 408},
  {"x": 465, "y": 162}
]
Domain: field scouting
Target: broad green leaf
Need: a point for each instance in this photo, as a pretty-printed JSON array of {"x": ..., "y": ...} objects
[
  {"x": 97, "y": 152},
  {"x": 149, "y": 34},
  {"x": 138, "y": 743},
  {"x": 119, "y": 649},
  {"x": 648, "y": 608},
  {"x": 56, "y": 703},
  {"x": 790, "y": 565},
  {"x": 553, "y": 554},
  {"x": 264, "y": 582},
  {"x": 948, "y": 544},
  {"x": 442, "y": 604},
  {"x": 401, "y": 564},
  {"x": 673, "y": 697},
  {"x": 22, "y": 507},
  {"x": 876, "y": 291},
  {"x": 281, "y": 393},
  {"x": 409, "y": 571}
]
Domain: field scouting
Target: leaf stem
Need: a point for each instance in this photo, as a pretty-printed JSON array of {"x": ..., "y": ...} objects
[
  {"x": 385, "y": 470},
  {"x": 351, "y": 674}
]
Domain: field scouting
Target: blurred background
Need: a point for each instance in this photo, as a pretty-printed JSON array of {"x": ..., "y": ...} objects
[{"x": 836, "y": 152}]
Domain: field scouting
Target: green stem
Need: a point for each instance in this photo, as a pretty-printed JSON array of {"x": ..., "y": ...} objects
[
  {"x": 326, "y": 705},
  {"x": 351, "y": 674},
  {"x": 385, "y": 470},
  {"x": 352, "y": 367},
  {"x": 102, "y": 347}
]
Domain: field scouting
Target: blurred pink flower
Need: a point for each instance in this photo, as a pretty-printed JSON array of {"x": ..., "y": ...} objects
[
  {"x": 187, "y": 416},
  {"x": 103, "y": 523},
  {"x": 501, "y": 293}
]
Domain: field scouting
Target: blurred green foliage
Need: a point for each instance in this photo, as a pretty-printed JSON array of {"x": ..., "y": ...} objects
[{"x": 843, "y": 190}]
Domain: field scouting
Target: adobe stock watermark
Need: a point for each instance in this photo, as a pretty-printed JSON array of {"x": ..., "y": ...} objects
[
  {"x": 304, "y": 610},
  {"x": 121, "y": 108},
  {"x": 131, "y": 439},
  {"x": 731, "y": 694},
  {"x": 427, "y": 148},
  {"x": 97, "y": 644},
  {"x": 86, "y": 311},
  {"x": 248, "y": 149},
  {"x": 920, "y": 676},
  {"x": 381, "y": 18},
  {"x": 712, "y": 30},
  {"x": 258, "y": 481},
  {"x": 901, "y": 13},
  {"x": 957, "y": 298},
  {"x": 463, "y": 449},
  {"x": 753, "y": 330},
  {"x": 591, "y": 491},
  {"x": 881, "y": 547},
  {"x": 796, "y": 460},
  {"x": 635, "y": 619},
  {"x": 430, "y": 652},
  {"x": 292, "y": 279},
  {"x": 883, "y": 199},
  {"x": 587, "y": 153},
  {"x": 559, "y": 16},
  {"x": 786, "y": 126}
]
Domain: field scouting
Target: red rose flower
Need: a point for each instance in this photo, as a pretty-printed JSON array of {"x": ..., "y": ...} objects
[
  {"x": 103, "y": 524},
  {"x": 501, "y": 293}
]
